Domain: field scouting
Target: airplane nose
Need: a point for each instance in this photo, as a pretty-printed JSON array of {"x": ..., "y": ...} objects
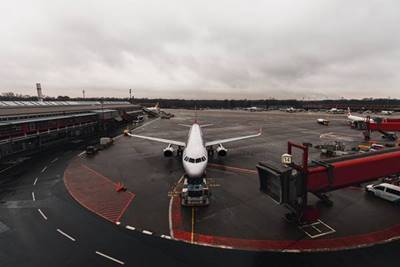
[{"x": 194, "y": 171}]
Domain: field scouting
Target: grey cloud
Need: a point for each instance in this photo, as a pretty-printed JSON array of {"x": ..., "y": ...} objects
[{"x": 207, "y": 49}]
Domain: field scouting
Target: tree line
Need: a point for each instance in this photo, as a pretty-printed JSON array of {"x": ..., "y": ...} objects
[{"x": 271, "y": 103}]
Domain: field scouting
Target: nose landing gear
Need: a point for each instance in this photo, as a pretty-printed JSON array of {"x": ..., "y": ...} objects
[
  {"x": 179, "y": 152},
  {"x": 210, "y": 151}
]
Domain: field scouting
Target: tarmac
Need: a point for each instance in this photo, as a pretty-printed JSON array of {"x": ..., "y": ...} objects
[{"x": 239, "y": 216}]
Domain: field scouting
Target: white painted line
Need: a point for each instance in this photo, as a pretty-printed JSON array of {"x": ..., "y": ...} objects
[
  {"x": 54, "y": 160},
  {"x": 7, "y": 168},
  {"x": 44, "y": 169},
  {"x": 34, "y": 183},
  {"x": 82, "y": 153},
  {"x": 319, "y": 231},
  {"x": 147, "y": 232},
  {"x": 33, "y": 196},
  {"x": 66, "y": 235},
  {"x": 41, "y": 213},
  {"x": 166, "y": 236},
  {"x": 171, "y": 230},
  {"x": 130, "y": 227},
  {"x": 110, "y": 258}
]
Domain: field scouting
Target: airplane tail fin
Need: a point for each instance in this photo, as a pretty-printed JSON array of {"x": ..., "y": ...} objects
[
  {"x": 202, "y": 126},
  {"x": 348, "y": 111},
  {"x": 195, "y": 114}
]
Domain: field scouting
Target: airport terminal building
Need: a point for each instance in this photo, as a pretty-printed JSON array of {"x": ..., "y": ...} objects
[{"x": 30, "y": 126}]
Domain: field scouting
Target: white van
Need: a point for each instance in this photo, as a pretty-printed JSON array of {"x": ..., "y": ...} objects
[{"x": 386, "y": 191}]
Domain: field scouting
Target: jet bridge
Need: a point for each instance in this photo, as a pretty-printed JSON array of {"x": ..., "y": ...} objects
[
  {"x": 386, "y": 126},
  {"x": 290, "y": 184}
]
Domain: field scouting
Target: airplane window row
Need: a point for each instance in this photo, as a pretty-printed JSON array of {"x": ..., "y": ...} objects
[{"x": 192, "y": 160}]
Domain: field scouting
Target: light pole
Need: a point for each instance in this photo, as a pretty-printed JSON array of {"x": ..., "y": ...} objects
[{"x": 102, "y": 115}]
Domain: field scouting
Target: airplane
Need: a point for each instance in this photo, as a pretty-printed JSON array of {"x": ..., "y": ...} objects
[
  {"x": 336, "y": 111},
  {"x": 155, "y": 109},
  {"x": 292, "y": 110},
  {"x": 196, "y": 150},
  {"x": 254, "y": 109},
  {"x": 387, "y": 112},
  {"x": 353, "y": 118}
]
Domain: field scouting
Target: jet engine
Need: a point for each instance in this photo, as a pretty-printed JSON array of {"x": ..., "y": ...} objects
[
  {"x": 168, "y": 151},
  {"x": 221, "y": 151}
]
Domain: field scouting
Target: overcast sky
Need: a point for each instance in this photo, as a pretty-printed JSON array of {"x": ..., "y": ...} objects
[{"x": 202, "y": 49}]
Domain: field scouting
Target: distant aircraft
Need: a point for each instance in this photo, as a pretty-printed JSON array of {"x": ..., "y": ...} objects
[
  {"x": 196, "y": 150},
  {"x": 155, "y": 109},
  {"x": 387, "y": 112},
  {"x": 336, "y": 111},
  {"x": 290, "y": 110},
  {"x": 254, "y": 109},
  {"x": 353, "y": 118}
]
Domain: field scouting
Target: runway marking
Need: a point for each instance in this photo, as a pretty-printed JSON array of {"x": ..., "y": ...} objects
[
  {"x": 110, "y": 210},
  {"x": 44, "y": 169},
  {"x": 192, "y": 232},
  {"x": 130, "y": 227},
  {"x": 54, "y": 160},
  {"x": 125, "y": 207},
  {"x": 66, "y": 235},
  {"x": 34, "y": 183},
  {"x": 41, "y": 213},
  {"x": 230, "y": 168},
  {"x": 324, "y": 230},
  {"x": 33, "y": 196},
  {"x": 7, "y": 168},
  {"x": 147, "y": 232},
  {"x": 110, "y": 258},
  {"x": 80, "y": 154},
  {"x": 171, "y": 200}
]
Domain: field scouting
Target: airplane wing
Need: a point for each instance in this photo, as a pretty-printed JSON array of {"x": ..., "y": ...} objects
[
  {"x": 201, "y": 126},
  {"x": 185, "y": 125},
  {"x": 161, "y": 140},
  {"x": 228, "y": 140}
]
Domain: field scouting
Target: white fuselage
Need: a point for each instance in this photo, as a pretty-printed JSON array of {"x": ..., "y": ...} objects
[
  {"x": 353, "y": 118},
  {"x": 195, "y": 156}
]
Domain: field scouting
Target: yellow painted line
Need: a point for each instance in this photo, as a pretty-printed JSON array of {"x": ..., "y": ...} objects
[{"x": 192, "y": 233}]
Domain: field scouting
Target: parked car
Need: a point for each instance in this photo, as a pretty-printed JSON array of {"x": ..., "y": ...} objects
[
  {"x": 91, "y": 150},
  {"x": 386, "y": 191}
]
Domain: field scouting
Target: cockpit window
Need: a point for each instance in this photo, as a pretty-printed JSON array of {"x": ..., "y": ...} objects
[{"x": 192, "y": 160}]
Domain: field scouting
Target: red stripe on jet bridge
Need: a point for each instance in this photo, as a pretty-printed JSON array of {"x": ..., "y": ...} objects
[{"x": 96, "y": 192}]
